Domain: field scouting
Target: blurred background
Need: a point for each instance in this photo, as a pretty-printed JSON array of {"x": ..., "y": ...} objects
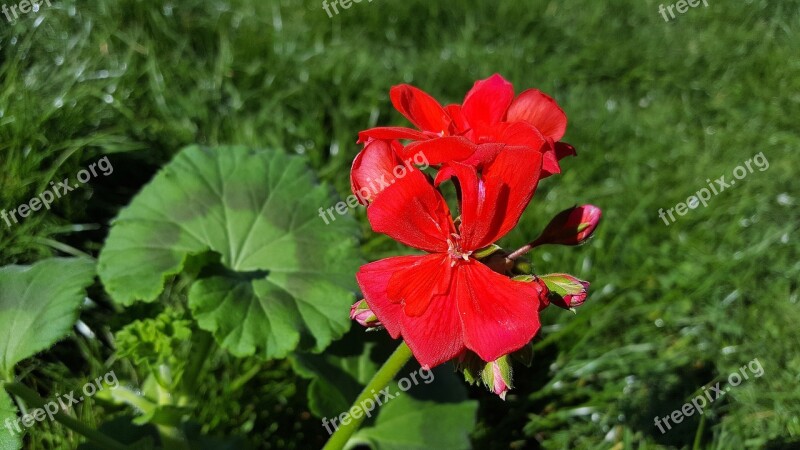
[{"x": 656, "y": 107}]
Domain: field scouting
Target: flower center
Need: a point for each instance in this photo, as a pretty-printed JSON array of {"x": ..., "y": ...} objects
[{"x": 454, "y": 250}]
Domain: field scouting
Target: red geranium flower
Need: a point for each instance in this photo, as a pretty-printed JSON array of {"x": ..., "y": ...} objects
[
  {"x": 489, "y": 114},
  {"x": 447, "y": 301}
]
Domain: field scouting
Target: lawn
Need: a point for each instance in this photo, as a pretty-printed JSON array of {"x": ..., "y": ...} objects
[{"x": 658, "y": 110}]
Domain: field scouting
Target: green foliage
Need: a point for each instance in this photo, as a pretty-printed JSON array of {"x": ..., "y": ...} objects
[
  {"x": 432, "y": 412},
  {"x": 38, "y": 306},
  {"x": 8, "y": 411},
  {"x": 124, "y": 431},
  {"x": 406, "y": 424},
  {"x": 151, "y": 343},
  {"x": 337, "y": 377},
  {"x": 284, "y": 271}
]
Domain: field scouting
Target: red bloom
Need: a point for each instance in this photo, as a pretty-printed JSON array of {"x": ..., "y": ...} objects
[
  {"x": 447, "y": 301},
  {"x": 489, "y": 114}
]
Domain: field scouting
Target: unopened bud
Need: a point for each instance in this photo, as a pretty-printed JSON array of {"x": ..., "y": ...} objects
[
  {"x": 566, "y": 291},
  {"x": 572, "y": 226},
  {"x": 497, "y": 376},
  {"x": 361, "y": 313}
]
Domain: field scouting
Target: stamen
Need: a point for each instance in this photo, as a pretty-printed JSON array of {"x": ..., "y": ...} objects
[{"x": 454, "y": 250}]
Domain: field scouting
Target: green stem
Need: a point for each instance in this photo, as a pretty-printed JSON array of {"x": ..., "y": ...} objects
[
  {"x": 171, "y": 436},
  {"x": 200, "y": 350},
  {"x": 382, "y": 378},
  {"x": 698, "y": 437},
  {"x": 32, "y": 399},
  {"x": 241, "y": 380},
  {"x": 125, "y": 395}
]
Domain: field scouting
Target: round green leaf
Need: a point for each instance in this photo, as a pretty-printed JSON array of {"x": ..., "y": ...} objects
[
  {"x": 39, "y": 305},
  {"x": 287, "y": 275}
]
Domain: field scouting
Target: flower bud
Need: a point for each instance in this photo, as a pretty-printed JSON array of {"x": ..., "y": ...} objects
[
  {"x": 361, "y": 313},
  {"x": 572, "y": 226},
  {"x": 566, "y": 291},
  {"x": 497, "y": 376}
]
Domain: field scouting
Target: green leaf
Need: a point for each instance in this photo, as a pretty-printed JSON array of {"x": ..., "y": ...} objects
[
  {"x": 429, "y": 414},
  {"x": 337, "y": 379},
  {"x": 39, "y": 305},
  {"x": 285, "y": 277},
  {"x": 406, "y": 423},
  {"x": 8, "y": 411},
  {"x": 432, "y": 414}
]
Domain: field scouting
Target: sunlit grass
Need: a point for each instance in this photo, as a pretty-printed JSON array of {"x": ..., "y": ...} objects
[{"x": 655, "y": 109}]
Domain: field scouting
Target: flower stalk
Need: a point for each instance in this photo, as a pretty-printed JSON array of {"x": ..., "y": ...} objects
[{"x": 382, "y": 378}]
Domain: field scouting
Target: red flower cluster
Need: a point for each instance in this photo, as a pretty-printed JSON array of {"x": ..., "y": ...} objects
[
  {"x": 490, "y": 114},
  {"x": 495, "y": 148}
]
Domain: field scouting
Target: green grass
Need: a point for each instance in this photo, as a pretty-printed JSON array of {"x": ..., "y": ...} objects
[{"x": 655, "y": 109}]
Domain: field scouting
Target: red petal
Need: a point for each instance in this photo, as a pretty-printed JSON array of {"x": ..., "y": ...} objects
[
  {"x": 375, "y": 162},
  {"x": 511, "y": 179},
  {"x": 486, "y": 103},
  {"x": 539, "y": 110},
  {"x": 484, "y": 154},
  {"x": 441, "y": 150},
  {"x": 492, "y": 204},
  {"x": 373, "y": 279},
  {"x": 522, "y": 133},
  {"x": 499, "y": 315},
  {"x": 411, "y": 211},
  {"x": 550, "y": 164},
  {"x": 459, "y": 125},
  {"x": 417, "y": 286},
  {"x": 420, "y": 108},
  {"x": 390, "y": 133},
  {"x": 435, "y": 336}
]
